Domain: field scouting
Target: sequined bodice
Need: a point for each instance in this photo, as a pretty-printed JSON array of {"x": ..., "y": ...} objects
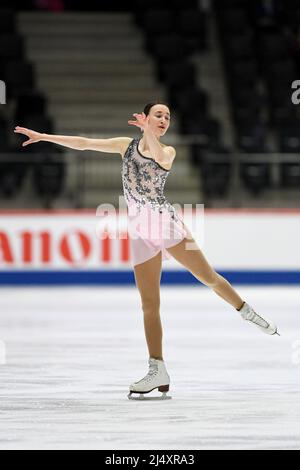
[{"x": 143, "y": 179}]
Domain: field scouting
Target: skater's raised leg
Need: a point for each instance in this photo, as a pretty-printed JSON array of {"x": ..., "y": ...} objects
[{"x": 195, "y": 261}]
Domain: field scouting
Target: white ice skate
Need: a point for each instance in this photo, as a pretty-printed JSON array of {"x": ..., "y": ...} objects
[
  {"x": 157, "y": 377},
  {"x": 251, "y": 316}
]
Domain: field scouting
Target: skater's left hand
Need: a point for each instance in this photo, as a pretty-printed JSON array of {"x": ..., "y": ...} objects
[{"x": 142, "y": 121}]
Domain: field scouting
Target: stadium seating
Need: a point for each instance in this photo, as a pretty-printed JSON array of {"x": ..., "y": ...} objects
[
  {"x": 261, "y": 61},
  {"x": 27, "y": 107}
]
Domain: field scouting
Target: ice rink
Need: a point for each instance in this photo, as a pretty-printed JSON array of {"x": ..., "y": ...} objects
[{"x": 72, "y": 353}]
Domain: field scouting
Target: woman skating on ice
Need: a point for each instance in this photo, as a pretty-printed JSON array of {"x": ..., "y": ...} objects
[{"x": 146, "y": 165}]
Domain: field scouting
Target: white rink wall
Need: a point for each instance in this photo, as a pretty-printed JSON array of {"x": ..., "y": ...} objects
[{"x": 248, "y": 246}]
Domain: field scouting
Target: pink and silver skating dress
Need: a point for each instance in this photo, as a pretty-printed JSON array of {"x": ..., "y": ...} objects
[{"x": 153, "y": 223}]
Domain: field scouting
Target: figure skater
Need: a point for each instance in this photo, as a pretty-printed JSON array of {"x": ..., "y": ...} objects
[{"x": 145, "y": 168}]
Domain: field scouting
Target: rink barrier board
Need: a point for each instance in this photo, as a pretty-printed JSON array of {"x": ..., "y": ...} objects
[
  {"x": 77, "y": 278},
  {"x": 237, "y": 271},
  {"x": 63, "y": 212}
]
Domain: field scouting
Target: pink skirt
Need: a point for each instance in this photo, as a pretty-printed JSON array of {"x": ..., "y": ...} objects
[{"x": 151, "y": 231}]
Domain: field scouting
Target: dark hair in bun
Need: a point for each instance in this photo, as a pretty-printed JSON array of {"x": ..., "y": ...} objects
[{"x": 148, "y": 107}]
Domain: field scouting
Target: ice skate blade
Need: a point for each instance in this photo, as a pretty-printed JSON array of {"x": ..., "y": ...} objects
[{"x": 141, "y": 397}]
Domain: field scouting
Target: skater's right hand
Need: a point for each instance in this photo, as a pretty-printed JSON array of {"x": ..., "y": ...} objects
[{"x": 33, "y": 137}]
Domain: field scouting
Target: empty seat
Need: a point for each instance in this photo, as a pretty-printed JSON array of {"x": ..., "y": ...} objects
[
  {"x": 281, "y": 70},
  {"x": 191, "y": 101},
  {"x": 228, "y": 4},
  {"x": 289, "y": 138},
  {"x": 216, "y": 174},
  {"x": 237, "y": 87},
  {"x": 167, "y": 47},
  {"x": 245, "y": 96},
  {"x": 158, "y": 21},
  {"x": 30, "y": 103},
  {"x": 233, "y": 21},
  {"x": 291, "y": 4},
  {"x": 292, "y": 18},
  {"x": 48, "y": 177},
  {"x": 251, "y": 138},
  {"x": 290, "y": 175},
  {"x": 279, "y": 92},
  {"x": 192, "y": 28},
  {"x": 19, "y": 77},
  {"x": 239, "y": 46},
  {"x": 282, "y": 113},
  {"x": 3, "y": 131},
  {"x": 7, "y": 21},
  {"x": 272, "y": 46},
  {"x": 182, "y": 66},
  {"x": 280, "y": 96},
  {"x": 141, "y": 5},
  {"x": 11, "y": 47},
  {"x": 7, "y": 4},
  {"x": 198, "y": 152},
  {"x": 244, "y": 115},
  {"x": 180, "y": 5},
  {"x": 245, "y": 71},
  {"x": 180, "y": 75},
  {"x": 208, "y": 129},
  {"x": 256, "y": 177},
  {"x": 13, "y": 171},
  {"x": 11, "y": 179},
  {"x": 264, "y": 13},
  {"x": 191, "y": 22}
]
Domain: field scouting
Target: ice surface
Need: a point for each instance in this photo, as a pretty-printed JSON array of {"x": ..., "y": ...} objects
[{"x": 72, "y": 354}]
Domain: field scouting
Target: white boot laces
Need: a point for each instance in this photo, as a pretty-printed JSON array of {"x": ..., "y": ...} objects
[
  {"x": 153, "y": 370},
  {"x": 254, "y": 318}
]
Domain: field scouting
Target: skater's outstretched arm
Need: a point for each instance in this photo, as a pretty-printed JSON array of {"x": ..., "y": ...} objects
[{"x": 113, "y": 145}]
